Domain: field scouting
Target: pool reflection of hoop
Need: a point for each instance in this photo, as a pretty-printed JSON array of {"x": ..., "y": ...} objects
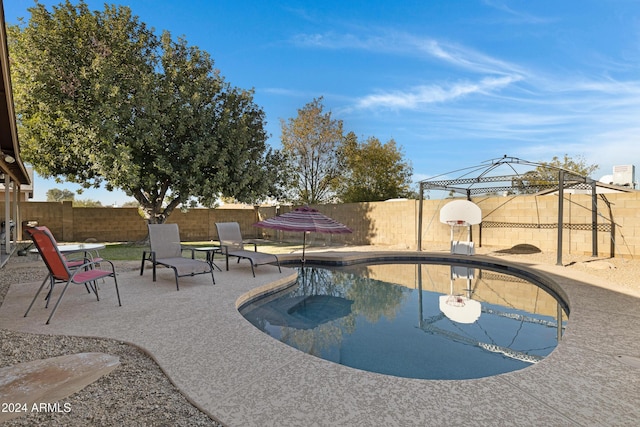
[{"x": 460, "y": 308}]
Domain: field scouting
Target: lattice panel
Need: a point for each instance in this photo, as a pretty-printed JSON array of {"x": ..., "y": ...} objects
[{"x": 565, "y": 226}]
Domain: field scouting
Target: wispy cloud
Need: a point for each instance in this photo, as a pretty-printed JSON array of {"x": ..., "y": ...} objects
[
  {"x": 400, "y": 43},
  {"x": 518, "y": 16},
  {"x": 418, "y": 96},
  {"x": 495, "y": 74},
  {"x": 596, "y": 119},
  {"x": 465, "y": 58},
  {"x": 499, "y": 105},
  {"x": 284, "y": 92},
  {"x": 332, "y": 40}
]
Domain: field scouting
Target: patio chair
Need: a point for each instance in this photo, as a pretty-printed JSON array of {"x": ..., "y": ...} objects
[
  {"x": 231, "y": 244},
  {"x": 61, "y": 270},
  {"x": 166, "y": 250}
]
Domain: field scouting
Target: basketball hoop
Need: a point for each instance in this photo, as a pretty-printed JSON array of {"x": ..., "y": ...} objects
[
  {"x": 455, "y": 301},
  {"x": 458, "y": 223},
  {"x": 461, "y": 213}
]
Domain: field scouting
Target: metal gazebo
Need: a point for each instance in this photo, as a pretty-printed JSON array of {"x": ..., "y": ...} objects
[{"x": 484, "y": 180}]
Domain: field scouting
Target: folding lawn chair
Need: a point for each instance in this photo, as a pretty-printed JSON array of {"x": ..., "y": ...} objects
[
  {"x": 231, "y": 244},
  {"x": 62, "y": 270},
  {"x": 166, "y": 250}
]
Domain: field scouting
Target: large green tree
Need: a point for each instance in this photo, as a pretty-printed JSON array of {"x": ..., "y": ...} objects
[
  {"x": 310, "y": 142},
  {"x": 372, "y": 171},
  {"x": 101, "y": 99}
]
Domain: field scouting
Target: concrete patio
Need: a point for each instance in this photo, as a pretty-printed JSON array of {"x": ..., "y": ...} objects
[{"x": 243, "y": 377}]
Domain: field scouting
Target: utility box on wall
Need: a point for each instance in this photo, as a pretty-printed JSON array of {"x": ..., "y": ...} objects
[{"x": 624, "y": 175}]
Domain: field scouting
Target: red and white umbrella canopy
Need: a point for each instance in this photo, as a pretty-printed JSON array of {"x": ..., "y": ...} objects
[{"x": 304, "y": 219}]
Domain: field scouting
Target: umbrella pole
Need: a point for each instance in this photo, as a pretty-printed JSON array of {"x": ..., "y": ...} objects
[{"x": 304, "y": 243}]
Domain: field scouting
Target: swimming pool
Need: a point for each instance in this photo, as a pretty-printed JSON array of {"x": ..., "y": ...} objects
[{"x": 415, "y": 320}]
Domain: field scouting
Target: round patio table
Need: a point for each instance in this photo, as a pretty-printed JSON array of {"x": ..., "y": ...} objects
[
  {"x": 89, "y": 249},
  {"x": 210, "y": 251}
]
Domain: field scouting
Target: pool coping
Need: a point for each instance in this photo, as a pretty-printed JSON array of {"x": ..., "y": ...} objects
[{"x": 240, "y": 376}]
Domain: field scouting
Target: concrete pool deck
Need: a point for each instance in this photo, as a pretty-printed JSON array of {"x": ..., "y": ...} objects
[{"x": 243, "y": 377}]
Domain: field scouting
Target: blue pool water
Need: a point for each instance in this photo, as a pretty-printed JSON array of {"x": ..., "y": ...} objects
[{"x": 423, "y": 321}]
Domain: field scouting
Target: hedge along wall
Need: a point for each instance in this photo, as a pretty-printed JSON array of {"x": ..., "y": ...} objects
[{"x": 507, "y": 221}]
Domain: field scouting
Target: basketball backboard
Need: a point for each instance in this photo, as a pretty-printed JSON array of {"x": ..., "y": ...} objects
[{"x": 461, "y": 213}]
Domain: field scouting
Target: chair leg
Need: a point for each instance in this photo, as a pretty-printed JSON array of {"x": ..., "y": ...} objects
[
  {"x": 94, "y": 288},
  {"x": 52, "y": 282},
  {"x": 252, "y": 270},
  {"x": 117, "y": 291},
  {"x": 36, "y": 296},
  {"x": 212, "y": 278},
  {"x": 115, "y": 280},
  {"x": 144, "y": 255},
  {"x": 55, "y": 307},
  {"x": 175, "y": 271},
  {"x": 210, "y": 257}
]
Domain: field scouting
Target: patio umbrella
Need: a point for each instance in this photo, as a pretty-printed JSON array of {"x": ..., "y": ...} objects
[{"x": 304, "y": 219}]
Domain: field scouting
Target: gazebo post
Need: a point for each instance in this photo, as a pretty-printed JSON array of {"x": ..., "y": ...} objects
[
  {"x": 420, "y": 201},
  {"x": 594, "y": 219},
  {"x": 560, "y": 215}
]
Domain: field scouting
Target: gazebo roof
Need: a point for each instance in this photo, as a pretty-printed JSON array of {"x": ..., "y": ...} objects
[{"x": 513, "y": 176}]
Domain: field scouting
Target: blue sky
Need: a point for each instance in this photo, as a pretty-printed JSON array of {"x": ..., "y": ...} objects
[{"x": 455, "y": 83}]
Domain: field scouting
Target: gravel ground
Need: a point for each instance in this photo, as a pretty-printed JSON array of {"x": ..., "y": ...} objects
[{"x": 138, "y": 393}]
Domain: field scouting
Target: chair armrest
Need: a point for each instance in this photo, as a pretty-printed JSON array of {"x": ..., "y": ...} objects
[
  {"x": 91, "y": 264},
  {"x": 186, "y": 248},
  {"x": 251, "y": 242}
]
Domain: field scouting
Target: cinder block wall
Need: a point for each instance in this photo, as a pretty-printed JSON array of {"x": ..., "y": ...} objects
[
  {"x": 107, "y": 224},
  {"x": 529, "y": 219},
  {"x": 380, "y": 223},
  {"x": 620, "y": 210}
]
